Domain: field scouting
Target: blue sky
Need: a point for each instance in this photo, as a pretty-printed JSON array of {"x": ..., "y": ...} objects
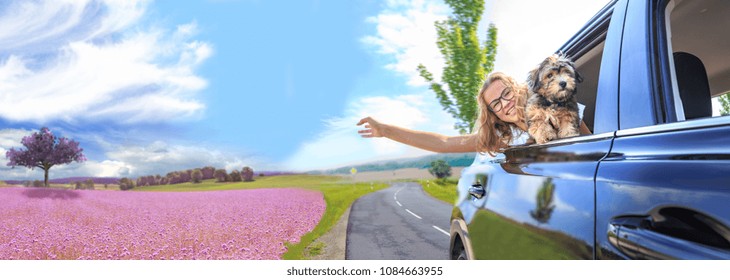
[{"x": 149, "y": 87}]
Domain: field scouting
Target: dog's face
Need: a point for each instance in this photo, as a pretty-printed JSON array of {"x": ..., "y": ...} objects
[{"x": 555, "y": 78}]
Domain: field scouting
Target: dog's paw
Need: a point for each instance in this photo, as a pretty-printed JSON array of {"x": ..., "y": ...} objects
[
  {"x": 544, "y": 139},
  {"x": 544, "y": 134},
  {"x": 568, "y": 132}
]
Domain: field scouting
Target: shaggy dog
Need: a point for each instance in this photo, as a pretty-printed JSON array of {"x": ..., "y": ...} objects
[{"x": 552, "y": 108}]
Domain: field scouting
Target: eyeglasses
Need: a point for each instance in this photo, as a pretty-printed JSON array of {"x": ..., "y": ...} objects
[{"x": 496, "y": 105}]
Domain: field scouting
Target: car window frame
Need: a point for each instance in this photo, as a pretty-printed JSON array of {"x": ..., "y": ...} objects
[
  {"x": 670, "y": 112},
  {"x": 668, "y": 104},
  {"x": 594, "y": 33}
]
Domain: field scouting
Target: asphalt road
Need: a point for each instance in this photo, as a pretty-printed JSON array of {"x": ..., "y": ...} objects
[{"x": 398, "y": 223}]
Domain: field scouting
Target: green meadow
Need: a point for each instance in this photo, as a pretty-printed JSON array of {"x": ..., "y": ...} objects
[
  {"x": 518, "y": 241},
  {"x": 442, "y": 189}
]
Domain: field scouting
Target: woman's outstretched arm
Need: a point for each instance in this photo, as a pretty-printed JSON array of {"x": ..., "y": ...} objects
[{"x": 420, "y": 139}]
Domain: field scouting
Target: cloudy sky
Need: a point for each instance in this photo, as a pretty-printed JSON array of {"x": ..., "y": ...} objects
[{"x": 149, "y": 87}]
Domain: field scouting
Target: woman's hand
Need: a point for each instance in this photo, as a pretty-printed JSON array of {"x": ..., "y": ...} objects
[
  {"x": 428, "y": 141},
  {"x": 374, "y": 128}
]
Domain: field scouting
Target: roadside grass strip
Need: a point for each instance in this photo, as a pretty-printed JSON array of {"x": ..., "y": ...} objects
[{"x": 444, "y": 190}]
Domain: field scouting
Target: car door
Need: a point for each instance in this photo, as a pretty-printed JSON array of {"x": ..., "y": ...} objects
[
  {"x": 537, "y": 201},
  {"x": 663, "y": 191},
  {"x": 534, "y": 202}
]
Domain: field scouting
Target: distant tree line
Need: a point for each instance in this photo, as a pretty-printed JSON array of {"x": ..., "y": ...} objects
[
  {"x": 195, "y": 176},
  {"x": 454, "y": 160},
  {"x": 85, "y": 185}
]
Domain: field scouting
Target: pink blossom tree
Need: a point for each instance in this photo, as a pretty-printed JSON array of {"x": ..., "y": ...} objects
[{"x": 44, "y": 150}]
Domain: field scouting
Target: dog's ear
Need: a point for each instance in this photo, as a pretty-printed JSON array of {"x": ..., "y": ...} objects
[
  {"x": 578, "y": 77},
  {"x": 533, "y": 80}
]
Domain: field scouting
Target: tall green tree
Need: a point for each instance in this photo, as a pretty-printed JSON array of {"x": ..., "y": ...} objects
[
  {"x": 544, "y": 202},
  {"x": 440, "y": 169},
  {"x": 725, "y": 102},
  {"x": 467, "y": 61}
]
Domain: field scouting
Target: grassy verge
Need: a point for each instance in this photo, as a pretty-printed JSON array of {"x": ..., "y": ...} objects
[
  {"x": 338, "y": 195},
  {"x": 519, "y": 241},
  {"x": 442, "y": 189}
]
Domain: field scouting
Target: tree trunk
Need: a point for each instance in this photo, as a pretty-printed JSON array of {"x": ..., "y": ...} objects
[{"x": 46, "y": 167}]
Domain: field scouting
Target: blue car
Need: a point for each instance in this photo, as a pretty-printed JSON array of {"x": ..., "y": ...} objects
[{"x": 651, "y": 182}]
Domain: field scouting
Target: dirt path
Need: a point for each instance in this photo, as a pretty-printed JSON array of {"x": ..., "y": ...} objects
[{"x": 334, "y": 240}]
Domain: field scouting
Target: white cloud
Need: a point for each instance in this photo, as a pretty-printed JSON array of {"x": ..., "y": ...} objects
[
  {"x": 10, "y": 138},
  {"x": 529, "y": 31},
  {"x": 91, "y": 60},
  {"x": 405, "y": 30},
  {"x": 29, "y": 26},
  {"x": 129, "y": 160},
  {"x": 340, "y": 144},
  {"x": 160, "y": 157}
]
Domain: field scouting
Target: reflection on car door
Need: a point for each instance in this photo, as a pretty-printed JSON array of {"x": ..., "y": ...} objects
[
  {"x": 663, "y": 193},
  {"x": 539, "y": 201}
]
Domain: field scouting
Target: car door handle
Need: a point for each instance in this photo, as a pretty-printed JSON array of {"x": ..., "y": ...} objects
[
  {"x": 639, "y": 238},
  {"x": 477, "y": 191}
]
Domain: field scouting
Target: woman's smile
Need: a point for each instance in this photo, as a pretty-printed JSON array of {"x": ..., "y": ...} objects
[{"x": 510, "y": 108}]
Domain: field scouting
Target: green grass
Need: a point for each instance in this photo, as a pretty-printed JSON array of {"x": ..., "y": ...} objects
[
  {"x": 283, "y": 181},
  {"x": 514, "y": 241},
  {"x": 338, "y": 195},
  {"x": 315, "y": 248},
  {"x": 444, "y": 190}
]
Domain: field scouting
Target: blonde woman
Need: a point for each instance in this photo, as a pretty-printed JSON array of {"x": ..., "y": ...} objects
[{"x": 500, "y": 124}]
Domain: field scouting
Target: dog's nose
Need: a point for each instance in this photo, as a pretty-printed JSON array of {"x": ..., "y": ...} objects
[{"x": 563, "y": 84}]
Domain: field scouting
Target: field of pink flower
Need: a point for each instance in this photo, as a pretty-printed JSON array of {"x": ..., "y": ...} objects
[{"x": 37, "y": 223}]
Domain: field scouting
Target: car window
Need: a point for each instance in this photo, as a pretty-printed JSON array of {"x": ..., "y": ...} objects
[
  {"x": 699, "y": 55},
  {"x": 589, "y": 66}
]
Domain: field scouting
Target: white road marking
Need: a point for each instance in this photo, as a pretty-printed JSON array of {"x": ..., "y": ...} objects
[
  {"x": 409, "y": 211},
  {"x": 441, "y": 230},
  {"x": 395, "y": 197}
]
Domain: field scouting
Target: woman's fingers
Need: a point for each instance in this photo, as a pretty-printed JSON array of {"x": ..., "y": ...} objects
[
  {"x": 364, "y": 120},
  {"x": 367, "y": 133},
  {"x": 372, "y": 128}
]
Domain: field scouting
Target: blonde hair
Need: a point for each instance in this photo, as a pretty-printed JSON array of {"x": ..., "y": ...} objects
[{"x": 494, "y": 134}]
